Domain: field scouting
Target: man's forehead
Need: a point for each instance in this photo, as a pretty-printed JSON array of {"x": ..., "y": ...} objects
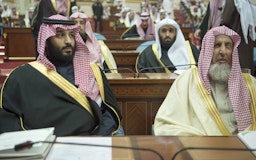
[
  {"x": 223, "y": 36},
  {"x": 64, "y": 30},
  {"x": 80, "y": 19},
  {"x": 167, "y": 26}
]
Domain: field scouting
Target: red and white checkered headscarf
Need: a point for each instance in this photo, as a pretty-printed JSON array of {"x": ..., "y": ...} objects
[
  {"x": 238, "y": 93},
  {"x": 150, "y": 34},
  {"x": 84, "y": 77},
  {"x": 91, "y": 41},
  {"x": 216, "y": 9}
]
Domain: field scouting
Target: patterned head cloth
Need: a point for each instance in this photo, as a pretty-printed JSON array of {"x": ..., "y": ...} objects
[
  {"x": 150, "y": 34},
  {"x": 91, "y": 41},
  {"x": 216, "y": 9},
  {"x": 84, "y": 77},
  {"x": 238, "y": 93},
  {"x": 177, "y": 53}
]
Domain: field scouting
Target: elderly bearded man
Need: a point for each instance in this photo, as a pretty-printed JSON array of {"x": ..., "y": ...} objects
[{"x": 214, "y": 99}]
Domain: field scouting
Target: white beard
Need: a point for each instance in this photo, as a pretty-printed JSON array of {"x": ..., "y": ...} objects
[{"x": 219, "y": 72}]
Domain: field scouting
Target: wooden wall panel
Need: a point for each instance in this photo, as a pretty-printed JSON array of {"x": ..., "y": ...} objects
[
  {"x": 140, "y": 99},
  {"x": 19, "y": 44}
]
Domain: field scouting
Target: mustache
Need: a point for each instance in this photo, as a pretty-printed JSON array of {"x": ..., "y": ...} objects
[
  {"x": 168, "y": 39},
  {"x": 68, "y": 46}
]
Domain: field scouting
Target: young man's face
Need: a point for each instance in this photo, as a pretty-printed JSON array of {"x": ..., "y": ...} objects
[
  {"x": 61, "y": 47},
  {"x": 223, "y": 49},
  {"x": 144, "y": 23},
  {"x": 167, "y": 35}
]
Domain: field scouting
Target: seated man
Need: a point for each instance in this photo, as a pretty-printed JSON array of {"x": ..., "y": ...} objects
[
  {"x": 63, "y": 88},
  {"x": 161, "y": 15},
  {"x": 131, "y": 19},
  {"x": 215, "y": 99},
  {"x": 97, "y": 47},
  {"x": 121, "y": 20},
  {"x": 169, "y": 53},
  {"x": 144, "y": 29}
]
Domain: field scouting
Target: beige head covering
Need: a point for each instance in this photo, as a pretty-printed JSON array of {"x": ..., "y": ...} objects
[
  {"x": 150, "y": 34},
  {"x": 91, "y": 41}
]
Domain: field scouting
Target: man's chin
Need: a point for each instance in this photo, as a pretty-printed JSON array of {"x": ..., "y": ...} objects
[
  {"x": 67, "y": 56},
  {"x": 222, "y": 62}
]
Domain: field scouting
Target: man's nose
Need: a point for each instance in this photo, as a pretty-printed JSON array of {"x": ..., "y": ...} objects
[
  {"x": 67, "y": 39},
  {"x": 222, "y": 48}
]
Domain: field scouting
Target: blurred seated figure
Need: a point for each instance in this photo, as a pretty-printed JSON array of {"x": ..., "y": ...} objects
[
  {"x": 119, "y": 4},
  {"x": 161, "y": 15},
  {"x": 14, "y": 13},
  {"x": 106, "y": 10},
  {"x": 121, "y": 20},
  {"x": 170, "y": 52},
  {"x": 131, "y": 19},
  {"x": 6, "y": 15},
  {"x": 153, "y": 13},
  {"x": 98, "y": 47},
  {"x": 27, "y": 21},
  {"x": 1, "y": 11},
  {"x": 143, "y": 30},
  {"x": 6, "y": 11}
]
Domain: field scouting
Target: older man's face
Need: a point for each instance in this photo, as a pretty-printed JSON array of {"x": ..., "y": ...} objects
[
  {"x": 222, "y": 59},
  {"x": 223, "y": 49},
  {"x": 80, "y": 22}
]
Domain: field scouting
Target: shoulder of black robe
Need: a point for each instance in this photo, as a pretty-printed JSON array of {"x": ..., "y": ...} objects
[
  {"x": 195, "y": 51},
  {"x": 130, "y": 32},
  {"x": 147, "y": 59}
]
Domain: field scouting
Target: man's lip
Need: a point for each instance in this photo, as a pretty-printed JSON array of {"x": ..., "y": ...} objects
[
  {"x": 222, "y": 60},
  {"x": 67, "y": 49}
]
